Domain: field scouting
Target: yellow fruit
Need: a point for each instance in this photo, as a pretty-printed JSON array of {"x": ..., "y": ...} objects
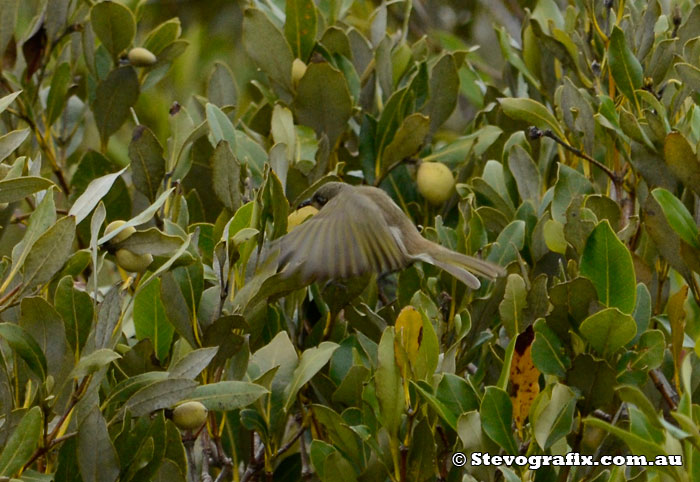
[
  {"x": 129, "y": 261},
  {"x": 435, "y": 182},
  {"x": 298, "y": 71},
  {"x": 190, "y": 415},
  {"x": 123, "y": 234},
  {"x": 299, "y": 216},
  {"x": 141, "y": 57}
]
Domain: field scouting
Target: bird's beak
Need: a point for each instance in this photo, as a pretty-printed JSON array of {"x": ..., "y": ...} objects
[{"x": 305, "y": 203}]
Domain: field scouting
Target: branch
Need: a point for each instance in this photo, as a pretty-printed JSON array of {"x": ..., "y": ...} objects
[
  {"x": 535, "y": 133},
  {"x": 664, "y": 387}
]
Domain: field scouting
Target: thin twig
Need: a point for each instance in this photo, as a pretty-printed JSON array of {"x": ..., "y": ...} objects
[
  {"x": 256, "y": 462},
  {"x": 535, "y": 133},
  {"x": 52, "y": 437},
  {"x": 664, "y": 387}
]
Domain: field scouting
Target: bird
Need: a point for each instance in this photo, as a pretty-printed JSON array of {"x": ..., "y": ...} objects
[{"x": 360, "y": 230}]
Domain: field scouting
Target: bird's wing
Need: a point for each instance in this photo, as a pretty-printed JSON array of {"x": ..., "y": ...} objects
[{"x": 348, "y": 237}]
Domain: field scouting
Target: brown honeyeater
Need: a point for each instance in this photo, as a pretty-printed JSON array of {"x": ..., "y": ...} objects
[{"x": 360, "y": 230}]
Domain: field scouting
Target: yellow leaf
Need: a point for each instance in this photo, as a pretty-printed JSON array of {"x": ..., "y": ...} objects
[
  {"x": 409, "y": 333},
  {"x": 524, "y": 377}
]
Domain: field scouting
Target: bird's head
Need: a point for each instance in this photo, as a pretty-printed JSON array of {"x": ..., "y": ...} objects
[{"x": 325, "y": 193}]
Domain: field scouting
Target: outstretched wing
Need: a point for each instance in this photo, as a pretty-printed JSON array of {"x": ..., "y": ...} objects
[{"x": 348, "y": 237}]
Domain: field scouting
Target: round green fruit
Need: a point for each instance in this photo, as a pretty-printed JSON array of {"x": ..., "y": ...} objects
[
  {"x": 298, "y": 71},
  {"x": 141, "y": 57},
  {"x": 123, "y": 234},
  {"x": 189, "y": 415},
  {"x": 435, "y": 182},
  {"x": 138, "y": 263}
]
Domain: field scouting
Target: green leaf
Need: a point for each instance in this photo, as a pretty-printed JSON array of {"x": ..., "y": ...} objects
[
  {"x": 407, "y": 140},
  {"x": 548, "y": 353},
  {"x": 554, "y": 236},
  {"x": 176, "y": 308},
  {"x": 608, "y": 264},
  {"x": 221, "y": 86},
  {"x": 147, "y": 162},
  {"x": 532, "y": 112},
  {"x": 95, "y": 191},
  {"x": 525, "y": 172},
  {"x": 57, "y": 95},
  {"x": 440, "y": 408},
  {"x": 93, "y": 362},
  {"x": 637, "y": 444},
  {"x": 96, "y": 455},
  {"x": 75, "y": 307},
  {"x": 225, "y": 396},
  {"x": 160, "y": 394},
  {"x": 595, "y": 379},
  {"x": 267, "y": 47},
  {"x": 624, "y": 66},
  {"x": 163, "y": 35},
  {"x": 25, "y": 346},
  {"x": 108, "y": 317},
  {"x": 444, "y": 89},
  {"x": 649, "y": 351},
  {"x": 18, "y": 188},
  {"x": 456, "y": 394},
  {"x": 9, "y": 98},
  {"x": 608, "y": 330},
  {"x": 570, "y": 183},
  {"x": 388, "y": 385},
  {"x": 513, "y": 305},
  {"x": 192, "y": 364},
  {"x": 151, "y": 241},
  {"x": 150, "y": 320},
  {"x": 311, "y": 362},
  {"x": 226, "y": 176},
  {"x": 114, "y": 25},
  {"x": 127, "y": 387},
  {"x": 552, "y": 414},
  {"x": 22, "y": 443},
  {"x": 300, "y": 26},
  {"x": 509, "y": 242},
  {"x": 678, "y": 216},
  {"x": 115, "y": 95},
  {"x": 221, "y": 126},
  {"x": 49, "y": 253},
  {"x": 497, "y": 418},
  {"x": 682, "y": 161},
  {"x": 323, "y": 101},
  {"x": 11, "y": 141},
  {"x": 43, "y": 323}
]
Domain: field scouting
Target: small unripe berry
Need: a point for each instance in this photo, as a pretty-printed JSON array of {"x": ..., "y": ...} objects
[
  {"x": 123, "y": 234},
  {"x": 435, "y": 182},
  {"x": 137, "y": 263},
  {"x": 190, "y": 415},
  {"x": 298, "y": 71},
  {"x": 141, "y": 57}
]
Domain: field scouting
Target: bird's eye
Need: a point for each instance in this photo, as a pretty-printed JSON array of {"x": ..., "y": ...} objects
[{"x": 321, "y": 200}]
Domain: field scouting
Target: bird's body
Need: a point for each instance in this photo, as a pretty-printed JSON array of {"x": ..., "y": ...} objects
[{"x": 360, "y": 230}]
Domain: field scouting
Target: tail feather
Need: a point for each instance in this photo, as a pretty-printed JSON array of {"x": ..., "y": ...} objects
[
  {"x": 445, "y": 256},
  {"x": 458, "y": 272}
]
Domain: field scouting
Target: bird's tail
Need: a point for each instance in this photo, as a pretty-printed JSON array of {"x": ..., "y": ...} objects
[{"x": 462, "y": 266}]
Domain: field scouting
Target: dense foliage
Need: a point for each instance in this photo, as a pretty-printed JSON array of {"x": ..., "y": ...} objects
[{"x": 572, "y": 134}]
